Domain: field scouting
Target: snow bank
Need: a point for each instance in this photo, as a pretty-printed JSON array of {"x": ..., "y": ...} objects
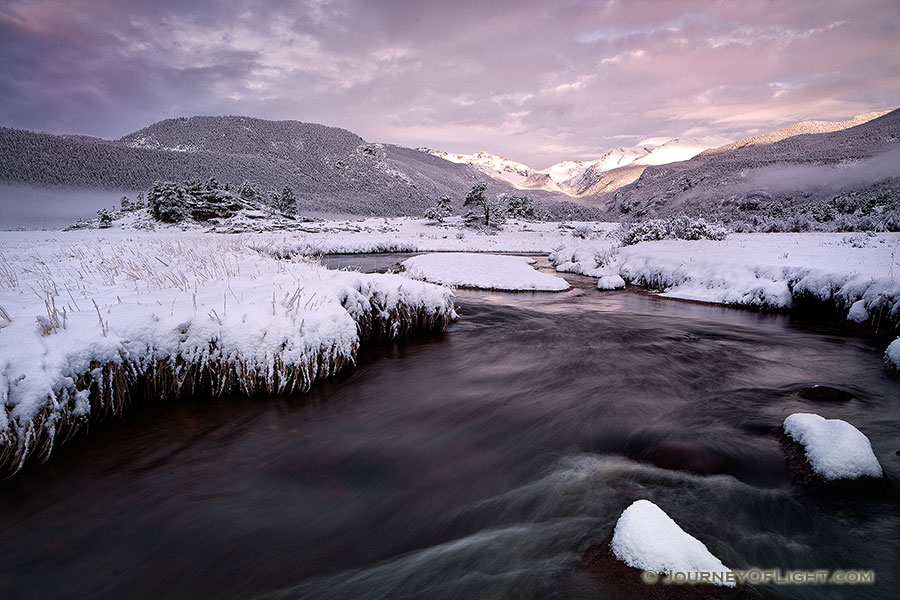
[
  {"x": 860, "y": 274},
  {"x": 85, "y": 316},
  {"x": 835, "y": 449},
  {"x": 484, "y": 271},
  {"x": 646, "y": 538}
]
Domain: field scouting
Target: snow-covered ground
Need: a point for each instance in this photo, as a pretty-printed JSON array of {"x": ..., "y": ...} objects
[
  {"x": 646, "y": 538},
  {"x": 835, "y": 449},
  {"x": 418, "y": 235},
  {"x": 483, "y": 271},
  {"x": 86, "y": 314}
]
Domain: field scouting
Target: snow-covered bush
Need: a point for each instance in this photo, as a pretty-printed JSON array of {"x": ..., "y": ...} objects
[
  {"x": 582, "y": 231},
  {"x": 681, "y": 227},
  {"x": 104, "y": 219}
]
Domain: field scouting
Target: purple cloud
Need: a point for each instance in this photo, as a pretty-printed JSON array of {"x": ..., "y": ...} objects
[{"x": 535, "y": 81}]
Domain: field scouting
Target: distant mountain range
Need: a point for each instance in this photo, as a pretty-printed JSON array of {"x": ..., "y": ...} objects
[
  {"x": 840, "y": 175},
  {"x": 332, "y": 170},
  {"x": 579, "y": 178},
  {"x": 814, "y": 174}
]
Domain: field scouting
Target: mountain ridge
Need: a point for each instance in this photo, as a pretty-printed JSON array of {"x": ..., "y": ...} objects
[{"x": 331, "y": 169}]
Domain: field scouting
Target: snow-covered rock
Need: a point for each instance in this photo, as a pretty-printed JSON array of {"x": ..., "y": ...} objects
[
  {"x": 484, "y": 271},
  {"x": 646, "y": 538},
  {"x": 610, "y": 282},
  {"x": 835, "y": 449},
  {"x": 858, "y": 312},
  {"x": 892, "y": 355}
]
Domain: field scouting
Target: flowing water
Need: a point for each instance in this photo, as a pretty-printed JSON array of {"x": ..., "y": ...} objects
[{"x": 477, "y": 463}]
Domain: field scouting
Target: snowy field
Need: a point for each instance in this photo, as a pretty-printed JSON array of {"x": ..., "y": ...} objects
[
  {"x": 86, "y": 316},
  {"x": 404, "y": 234}
]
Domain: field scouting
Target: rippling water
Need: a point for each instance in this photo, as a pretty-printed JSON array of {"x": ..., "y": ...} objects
[{"x": 479, "y": 463}]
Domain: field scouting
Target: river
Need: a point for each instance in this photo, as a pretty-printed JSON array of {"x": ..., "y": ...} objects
[{"x": 477, "y": 463}]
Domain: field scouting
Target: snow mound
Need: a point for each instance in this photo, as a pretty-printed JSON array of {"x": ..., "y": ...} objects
[
  {"x": 483, "y": 271},
  {"x": 892, "y": 355},
  {"x": 610, "y": 282},
  {"x": 835, "y": 449},
  {"x": 646, "y": 538},
  {"x": 858, "y": 312}
]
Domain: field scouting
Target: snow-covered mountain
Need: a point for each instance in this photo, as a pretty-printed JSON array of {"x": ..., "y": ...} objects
[
  {"x": 578, "y": 178},
  {"x": 839, "y": 176},
  {"x": 492, "y": 164}
]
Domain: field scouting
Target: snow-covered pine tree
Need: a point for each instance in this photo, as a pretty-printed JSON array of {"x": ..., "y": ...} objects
[
  {"x": 440, "y": 211},
  {"x": 288, "y": 201}
]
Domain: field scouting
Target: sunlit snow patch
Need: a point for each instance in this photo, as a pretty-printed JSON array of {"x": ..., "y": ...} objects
[
  {"x": 483, "y": 271},
  {"x": 647, "y": 538},
  {"x": 835, "y": 449}
]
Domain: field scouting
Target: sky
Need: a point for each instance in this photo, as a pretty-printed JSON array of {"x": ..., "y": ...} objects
[{"x": 535, "y": 81}]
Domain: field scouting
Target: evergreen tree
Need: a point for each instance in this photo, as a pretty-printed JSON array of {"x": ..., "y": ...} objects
[
  {"x": 440, "y": 211},
  {"x": 249, "y": 193},
  {"x": 476, "y": 199},
  {"x": 104, "y": 219},
  {"x": 520, "y": 207},
  {"x": 288, "y": 201}
]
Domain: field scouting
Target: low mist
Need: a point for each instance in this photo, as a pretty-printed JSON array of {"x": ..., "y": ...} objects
[
  {"x": 786, "y": 178},
  {"x": 52, "y": 208}
]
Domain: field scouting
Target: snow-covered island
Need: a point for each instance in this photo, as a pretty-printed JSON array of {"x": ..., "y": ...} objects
[{"x": 483, "y": 271}]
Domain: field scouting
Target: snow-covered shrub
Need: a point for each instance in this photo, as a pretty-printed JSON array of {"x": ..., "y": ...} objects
[
  {"x": 582, "y": 231},
  {"x": 799, "y": 223},
  {"x": 681, "y": 227},
  {"x": 104, "y": 219}
]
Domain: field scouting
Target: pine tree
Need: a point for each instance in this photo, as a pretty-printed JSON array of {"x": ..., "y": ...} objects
[
  {"x": 476, "y": 199},
  {"x": 288, "y": 201},
  {"x": 440, "y": 211}
]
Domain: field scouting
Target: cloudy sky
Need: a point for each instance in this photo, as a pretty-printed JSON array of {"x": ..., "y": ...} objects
[{"x": 537, "y": 81}]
